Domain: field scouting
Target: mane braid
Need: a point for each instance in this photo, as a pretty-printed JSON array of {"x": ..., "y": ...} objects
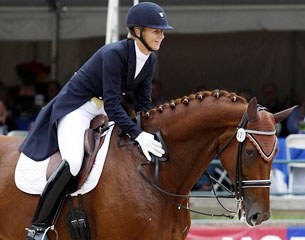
[{"x": 199, "y": 96}]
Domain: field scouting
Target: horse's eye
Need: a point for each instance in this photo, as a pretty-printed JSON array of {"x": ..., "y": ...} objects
[{"x": 250, "y": 152}]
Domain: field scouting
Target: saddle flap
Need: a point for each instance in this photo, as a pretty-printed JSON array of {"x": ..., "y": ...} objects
[
  {"x": 54, "y": 162},
  {"x": 89, "y": 141},
  {"x": 93, "y": 140}
]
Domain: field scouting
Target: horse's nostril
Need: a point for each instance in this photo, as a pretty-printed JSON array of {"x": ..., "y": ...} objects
[{"x": 255, "y": 219}]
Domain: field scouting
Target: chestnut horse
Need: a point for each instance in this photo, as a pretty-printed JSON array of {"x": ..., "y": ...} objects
[{"x": 125, "y": 206}]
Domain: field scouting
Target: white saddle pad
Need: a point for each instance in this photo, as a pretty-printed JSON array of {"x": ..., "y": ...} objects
[{"x": 30, "y": 175}]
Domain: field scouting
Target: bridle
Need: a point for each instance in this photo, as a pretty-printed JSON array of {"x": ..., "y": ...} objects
[
  {"x": 240, "y": 134},
  {"x": 239, "y": 183}
]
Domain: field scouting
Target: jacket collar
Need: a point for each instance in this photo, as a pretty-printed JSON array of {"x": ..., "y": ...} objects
[{"x": 131, "y": 60}]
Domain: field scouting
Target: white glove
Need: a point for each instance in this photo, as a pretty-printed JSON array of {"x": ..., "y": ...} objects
[{"x": 149, "y": 144}]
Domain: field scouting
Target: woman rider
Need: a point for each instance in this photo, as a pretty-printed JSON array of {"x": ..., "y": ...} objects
[{"x": 96, "y": 88}]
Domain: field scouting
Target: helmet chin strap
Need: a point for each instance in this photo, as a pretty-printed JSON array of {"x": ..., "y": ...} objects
[{"x": 141, "y": 38}]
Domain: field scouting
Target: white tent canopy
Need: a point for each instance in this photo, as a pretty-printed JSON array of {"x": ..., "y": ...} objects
[
  {"x": 37, "y": 23},
  {"x": 28, "y": 26}
]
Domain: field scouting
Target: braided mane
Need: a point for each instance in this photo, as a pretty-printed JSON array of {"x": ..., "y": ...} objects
[{"x": 199, "y": 96}]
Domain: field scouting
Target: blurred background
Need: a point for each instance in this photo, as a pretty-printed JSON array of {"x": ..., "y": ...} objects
[
  {"x": 252, "y": 47},
  {"x": 238, "y": 45}
]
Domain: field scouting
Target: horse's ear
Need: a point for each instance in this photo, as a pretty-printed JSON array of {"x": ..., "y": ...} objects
[
  {"x": 282, "y": 115},
  {"x": 252, "y": 110}
]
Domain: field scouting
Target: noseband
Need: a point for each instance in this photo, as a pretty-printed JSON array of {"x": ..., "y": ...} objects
[{"x": 240, "y": 134}]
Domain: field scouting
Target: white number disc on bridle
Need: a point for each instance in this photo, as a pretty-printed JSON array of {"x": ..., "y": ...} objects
[{"x": 241, "y": 135}]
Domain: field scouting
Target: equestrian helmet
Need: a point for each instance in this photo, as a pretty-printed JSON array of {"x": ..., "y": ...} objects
[{"x": 147, "y": 14}]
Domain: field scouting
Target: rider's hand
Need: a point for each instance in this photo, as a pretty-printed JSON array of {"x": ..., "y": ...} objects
[{"x": 149, "y": 144}]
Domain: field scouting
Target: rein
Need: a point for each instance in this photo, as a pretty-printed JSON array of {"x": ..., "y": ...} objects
[
  {"x": 239, "y": 183},
  {"x": 164, "y": 193},
  {"x": 186, "y": 197}
]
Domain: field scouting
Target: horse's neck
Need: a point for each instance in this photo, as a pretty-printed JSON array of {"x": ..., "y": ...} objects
[{"x": 191, "y": 134}]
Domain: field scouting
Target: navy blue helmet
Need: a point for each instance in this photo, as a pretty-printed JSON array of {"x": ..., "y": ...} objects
[{"x": 147, "y": 14}]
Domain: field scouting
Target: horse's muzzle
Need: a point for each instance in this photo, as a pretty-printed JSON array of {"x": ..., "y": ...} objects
[{"x": 253, "y": 215}]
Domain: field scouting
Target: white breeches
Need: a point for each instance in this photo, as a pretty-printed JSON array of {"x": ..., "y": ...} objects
[{"x": 71, "y": 130}]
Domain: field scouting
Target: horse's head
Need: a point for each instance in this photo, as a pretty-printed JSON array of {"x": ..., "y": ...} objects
[
  {"x": 248, "y": 158},
  {"x": 243, "y": 134}
]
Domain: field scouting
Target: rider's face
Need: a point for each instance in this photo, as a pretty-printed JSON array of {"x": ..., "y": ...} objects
[{"x": 152, "y": 36}]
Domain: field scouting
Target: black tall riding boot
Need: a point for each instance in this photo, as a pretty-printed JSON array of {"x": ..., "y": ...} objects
[{"x": 50, "y": 202}]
